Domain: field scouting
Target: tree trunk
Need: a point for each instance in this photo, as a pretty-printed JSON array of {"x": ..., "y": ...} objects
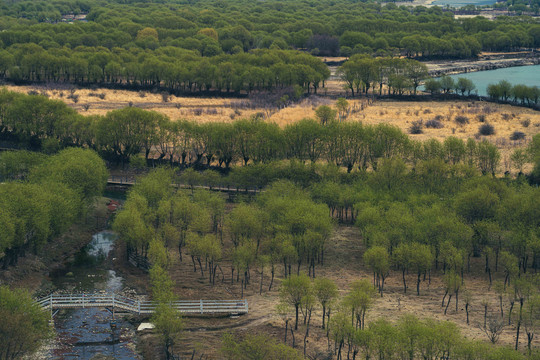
[
  {"x": 323, "y": 314},
  {"x": 447, "y": 304},
  {"x": 404, "y": 282},
  {"x": 272, "y": 280},
  {"x": 296, "y": 322}
]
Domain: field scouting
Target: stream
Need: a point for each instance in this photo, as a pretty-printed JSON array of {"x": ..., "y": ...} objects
[{"x": 86, "y": 333}]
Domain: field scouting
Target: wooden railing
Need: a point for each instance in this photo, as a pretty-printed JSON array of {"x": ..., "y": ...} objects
[
  {"x": 118, "y": 302},
  {"x": 130, "y": 181}
]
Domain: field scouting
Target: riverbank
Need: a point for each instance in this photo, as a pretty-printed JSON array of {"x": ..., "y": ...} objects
[
  {"x": 32, "y": 272},
  {"x": 484, "y": 62}
]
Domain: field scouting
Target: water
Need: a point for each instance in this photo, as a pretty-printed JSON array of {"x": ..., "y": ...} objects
[
  {"x": 526, "y": 75},
  {"x": 460, "y": 3},
  {"x": 85, "y": 333}
]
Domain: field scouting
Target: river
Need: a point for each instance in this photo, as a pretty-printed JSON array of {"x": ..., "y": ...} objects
[
  {"x": 86, "y": 333},
  {"x": 461, "y": 3},
  {"x": 526, "y": 75}
]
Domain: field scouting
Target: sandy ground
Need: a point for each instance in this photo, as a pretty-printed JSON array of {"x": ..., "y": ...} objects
[{"x": 344, "y": 265}]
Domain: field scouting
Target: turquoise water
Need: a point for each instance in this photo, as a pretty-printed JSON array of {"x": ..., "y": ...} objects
[
  {"x": 461, "y": 3},
  {"x": 527, "y": 75}
]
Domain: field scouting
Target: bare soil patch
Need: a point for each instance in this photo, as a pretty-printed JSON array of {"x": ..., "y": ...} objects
[{"x": 344, "y": 265}]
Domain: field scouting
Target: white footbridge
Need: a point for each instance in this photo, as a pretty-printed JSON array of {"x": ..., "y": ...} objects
[{"x": 114, "y": 302}]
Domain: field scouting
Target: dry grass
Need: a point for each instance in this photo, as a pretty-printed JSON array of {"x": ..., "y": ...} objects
[{"x": 505, "y": 118}]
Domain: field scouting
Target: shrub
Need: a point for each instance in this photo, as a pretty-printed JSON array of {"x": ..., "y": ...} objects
[
  {"x": 434, "y": 124},
  {"x": 481, "y": 118},
  {"x": 517, "y": 135},
  {"x": 525, "y": 123},
  {"x": 416, "y": 127},
  {"x": 461, "y": 120},
  {"x": 486, "y": 129}
]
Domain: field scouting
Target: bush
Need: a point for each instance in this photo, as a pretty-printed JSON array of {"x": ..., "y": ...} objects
[
  {"x": 416, "y": 127},
  {"x": 434, "y": 124},
  {"x": 461, "y": 120},
  {"x": 525, "y": 123},
  {"x": 517, "y": 135},
  {"x": 486, "y": 129},
  {"x": 481, "y": 118}
]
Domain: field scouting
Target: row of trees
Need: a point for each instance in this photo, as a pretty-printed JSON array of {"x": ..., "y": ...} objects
[
  {"x": 56, "y": 192},
  {"x": 360, "y": 73},
  {"x": 503, "y": 90},
  {"x": 174, "y": 69},
  {"x": 122, "y": 134}
]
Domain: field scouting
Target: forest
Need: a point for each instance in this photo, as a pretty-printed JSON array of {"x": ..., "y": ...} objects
[
  {"x": 232, "y": 46},
  {"x": 350, "y": 238},
  {"x": 423, "y": 209}
]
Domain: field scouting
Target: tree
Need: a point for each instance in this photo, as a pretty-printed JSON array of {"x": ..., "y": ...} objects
[
  {"x": 401, "y": 258},
  {"x": 378, "y": 260},
  {"x": 325, "y": 114},
  {"x": 326, "y": 292},
  {"x": 24, "y": 324},
  {"x": 416, "y": 71},
  {"x": 169, "y": 325},
  {"x": 464, "y": 85},
  {"x": 256, "y": 347},
  {"x": 342, "y": 107},
  {"x": 421, "y": 262},
  {"x": 518, "y": 158},
  {"x": 447, "y": 84},
  {"x": 433, "y": 86},
  {"x": 293, "y": 290},
  {"x": 531, "y": 319},
  {"x": 79, "y": 169},
  {"x": 358, "y": 301}
]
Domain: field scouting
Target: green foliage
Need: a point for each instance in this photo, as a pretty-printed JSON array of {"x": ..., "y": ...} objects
[
  {"x": 294, "y": 290},
  {"x": 24, "y": 324},
  {"x": 256, "y": 347},
  {"x": 81, "y": 170}
]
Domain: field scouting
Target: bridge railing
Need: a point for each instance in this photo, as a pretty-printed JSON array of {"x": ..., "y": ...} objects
[{"x": 66, "y": 301}]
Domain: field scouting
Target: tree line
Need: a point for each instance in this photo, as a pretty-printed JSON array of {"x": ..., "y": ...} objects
[
  {"x": 39, "y": 123},
  {"x": 524, "y": 94},
  {"x": 174, "y": 69},
  {"x": 361, "y": 73}
]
